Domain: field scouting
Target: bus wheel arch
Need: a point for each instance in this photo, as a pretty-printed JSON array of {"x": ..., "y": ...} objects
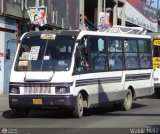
[
  {"x": 85, "y": 98},
  {"x": 133, "y": 92}
]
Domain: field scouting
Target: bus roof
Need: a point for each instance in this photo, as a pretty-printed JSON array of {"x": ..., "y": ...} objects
[
  {"x": 80, "y": 33},
  {"x": 57, "y": 32}
]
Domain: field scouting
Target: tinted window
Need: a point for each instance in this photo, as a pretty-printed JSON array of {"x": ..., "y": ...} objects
[{"x": 98, "y": 53}]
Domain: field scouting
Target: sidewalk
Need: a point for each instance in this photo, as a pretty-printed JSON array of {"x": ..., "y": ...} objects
[{"x": 4, "y": 102}]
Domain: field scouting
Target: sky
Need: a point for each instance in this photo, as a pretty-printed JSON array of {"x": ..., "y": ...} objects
[{"x": 154, "y": 4}]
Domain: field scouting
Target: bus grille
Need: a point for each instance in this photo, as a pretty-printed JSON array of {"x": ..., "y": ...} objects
[{"x": 37, "y": 89}]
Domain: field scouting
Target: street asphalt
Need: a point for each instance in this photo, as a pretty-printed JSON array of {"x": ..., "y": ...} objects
[{"x": 4, "y": 102}]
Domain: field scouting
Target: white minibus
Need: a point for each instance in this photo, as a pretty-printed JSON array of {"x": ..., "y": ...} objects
[{"x": 74, "y": 70}]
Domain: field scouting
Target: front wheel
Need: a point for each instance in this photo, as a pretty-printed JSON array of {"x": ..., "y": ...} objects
[
  {"x": 127, "y": 104},
  {"x": 78, "y": 111},
  {"x": 20, "y": 112},
  {"x": 157, "y": 92}
]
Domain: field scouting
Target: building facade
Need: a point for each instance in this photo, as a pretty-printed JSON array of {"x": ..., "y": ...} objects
[
  {"x": 66, "y": 14},
  {"x": 8, "y": 44}
]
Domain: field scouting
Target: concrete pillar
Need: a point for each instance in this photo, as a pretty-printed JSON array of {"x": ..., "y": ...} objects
[
  {"x": 37, "y": 3},
  {"x": 123, "y": 19},
  {"x": 100, "y": 8},
  {"x": 115, "y": 13},
  {"x": 2, "y": 50},
  {"x": 42, "y": 3},
  {"x": 104, "y": 5},
  {"x": 81, "y": 22}
]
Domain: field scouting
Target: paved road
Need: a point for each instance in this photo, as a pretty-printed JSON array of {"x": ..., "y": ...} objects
[{"x": 144, "y": 114}]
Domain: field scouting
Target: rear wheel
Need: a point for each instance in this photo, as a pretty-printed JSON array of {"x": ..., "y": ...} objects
[
  {"x": 78, "y": 111},
  {"x": 127, "y": 104}
]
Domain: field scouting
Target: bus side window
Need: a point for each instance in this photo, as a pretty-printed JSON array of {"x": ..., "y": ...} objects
[
  {"x": 98, "y": 54},
  {"x": 82, "y": 57},
  {"x": 131, "y": 61},
  {"x": 99, "y": 62},
  {"x": 111, "y": 61},
  {"x": 116, "y": 61},
  {"x": 144, "y": 61}
]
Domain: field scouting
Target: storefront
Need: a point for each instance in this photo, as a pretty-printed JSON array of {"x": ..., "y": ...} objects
[{"x": 7, "y": 51}]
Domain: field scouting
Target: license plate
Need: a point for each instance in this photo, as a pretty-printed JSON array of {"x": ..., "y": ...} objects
[{"x": 37, "y": 101}]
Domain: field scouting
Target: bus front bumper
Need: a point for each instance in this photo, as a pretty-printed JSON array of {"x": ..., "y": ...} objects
[{"x": 42, "y": 101}]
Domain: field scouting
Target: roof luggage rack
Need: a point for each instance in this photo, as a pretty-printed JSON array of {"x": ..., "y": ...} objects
[{"x": 128, "y": 30}]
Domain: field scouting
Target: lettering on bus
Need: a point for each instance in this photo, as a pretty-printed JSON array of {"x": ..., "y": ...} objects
[
  {"x": 156, "y": 60},
  {"x": 156, "y": 42}
]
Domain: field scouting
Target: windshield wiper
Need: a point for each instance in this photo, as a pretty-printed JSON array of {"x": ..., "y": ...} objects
[{"x": 44, "y": 54}]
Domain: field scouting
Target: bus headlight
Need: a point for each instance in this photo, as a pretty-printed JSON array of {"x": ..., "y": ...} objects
[
  {"x": 62, "y": 90},
  {"x": 156, "y": 79},
  {"x": 14, "y": 90}
]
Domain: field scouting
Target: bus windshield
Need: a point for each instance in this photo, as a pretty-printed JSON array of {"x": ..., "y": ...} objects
[
  {"x": 38, "y": 54},
  {"x": 156, "y": 51}
]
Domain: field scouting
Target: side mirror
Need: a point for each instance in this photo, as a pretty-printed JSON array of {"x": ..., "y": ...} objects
[{"x": 8, "y": 54}]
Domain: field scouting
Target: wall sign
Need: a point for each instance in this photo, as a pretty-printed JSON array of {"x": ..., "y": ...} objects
[{"x": 1, "y": 54}]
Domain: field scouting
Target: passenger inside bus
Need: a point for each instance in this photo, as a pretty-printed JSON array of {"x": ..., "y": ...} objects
[
  {"x": 111, "y": 62},
  {"x": 145, "y": 62},
  {"x": 131, "y": 62},
  {"x": 112, "y": 47}
]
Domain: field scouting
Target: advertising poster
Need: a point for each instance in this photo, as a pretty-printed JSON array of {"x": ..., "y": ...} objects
[
  {"x": 140, "y": 13},
  {"x": 37, "y": 15},
  {"x": 104, "y": 22}
]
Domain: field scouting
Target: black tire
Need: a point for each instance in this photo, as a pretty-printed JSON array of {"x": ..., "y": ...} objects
[
  {"x": 157, "y": 92},
  {"x": 78, "y": 110},
  {"x": 20, "y": 112},
  {"x": 127, "y": 104},
  {"x": 118, "y": 105}
]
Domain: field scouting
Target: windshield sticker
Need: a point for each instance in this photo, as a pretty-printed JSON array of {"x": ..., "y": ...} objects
[
  {"x": 62, "y": 63},
  {"x": 69, "y": 49},
  {"x": 48, "y": 36},
  {"x": 46, "y": 57},
  {"x": 24, "y": 56},
  {"x": 63, "y": 49},
  {"x": 23, "y": 63},
  {"x": 33, "y": 55}
]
